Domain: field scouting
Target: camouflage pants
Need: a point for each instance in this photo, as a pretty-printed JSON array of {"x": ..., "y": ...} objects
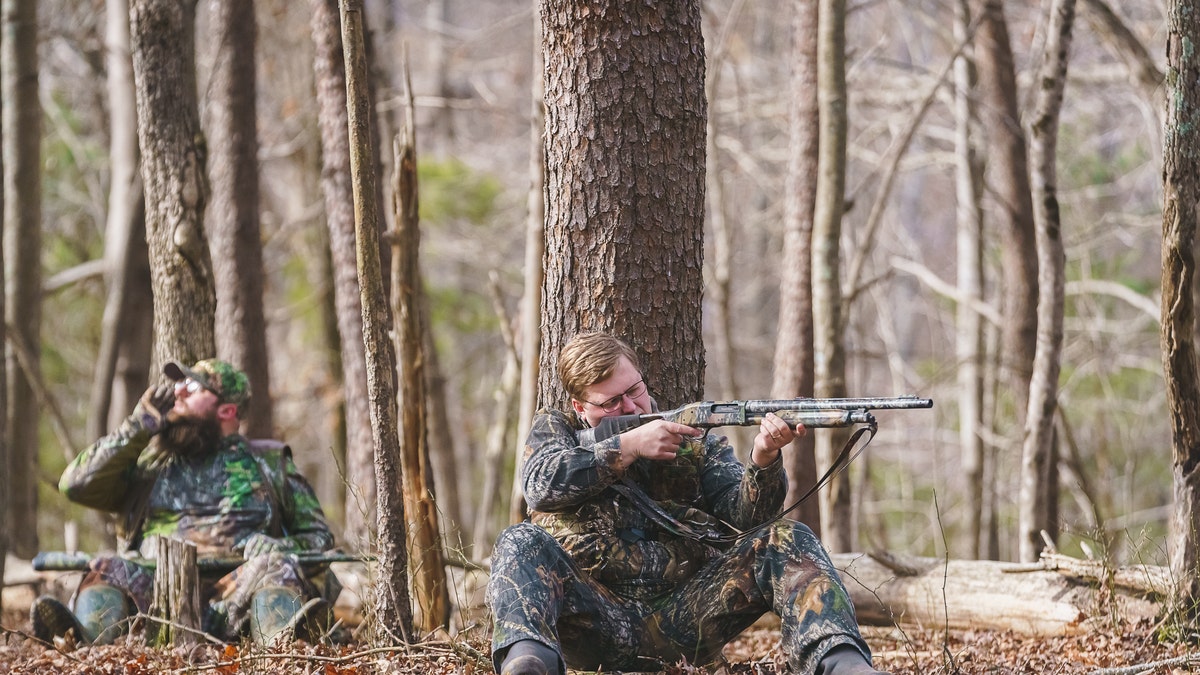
[
  {"x": 537, "y": 592},
  {"x": 226, "y": 600}
]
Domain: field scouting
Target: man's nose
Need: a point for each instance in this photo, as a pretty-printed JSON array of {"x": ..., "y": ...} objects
[{"x": 627, "y": 404}]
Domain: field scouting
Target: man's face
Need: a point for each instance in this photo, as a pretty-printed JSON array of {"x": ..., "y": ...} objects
[
  {"x": 195, "y": 426},
  {"x": 622, "y": 393},
  {"x": 194, "y": 402}
]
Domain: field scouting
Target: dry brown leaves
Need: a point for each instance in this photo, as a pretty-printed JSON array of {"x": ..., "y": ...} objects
[{"x": 1127, "y": 651}]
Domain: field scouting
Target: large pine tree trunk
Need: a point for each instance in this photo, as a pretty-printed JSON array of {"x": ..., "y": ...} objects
[
  {"x": 234, "y": 234},
  {"x": 1181, "y": 195},
  {"x": 173, "y": 170},
  {"x": 625, "y": 186}
]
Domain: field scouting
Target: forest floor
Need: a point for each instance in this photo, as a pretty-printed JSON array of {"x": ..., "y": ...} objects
[{"x": 1132, "y": 650}]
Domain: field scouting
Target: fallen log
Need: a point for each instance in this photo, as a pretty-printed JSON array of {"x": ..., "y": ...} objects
[{"x": 1058, "y": 596}]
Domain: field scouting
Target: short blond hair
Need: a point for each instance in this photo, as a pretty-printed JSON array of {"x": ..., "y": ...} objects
[{"x": 589, "y": 358}]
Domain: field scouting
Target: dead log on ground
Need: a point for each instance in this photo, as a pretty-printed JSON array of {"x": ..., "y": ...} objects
[{"x": 1058, "y": 596}]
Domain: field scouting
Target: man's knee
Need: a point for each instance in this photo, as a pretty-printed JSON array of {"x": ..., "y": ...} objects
[{"x": 522, "y": 539}]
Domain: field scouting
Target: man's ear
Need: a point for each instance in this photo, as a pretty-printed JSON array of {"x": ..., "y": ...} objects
[
  {"x": 227, "y": 411},
  {"x": 577, "y": 405}
]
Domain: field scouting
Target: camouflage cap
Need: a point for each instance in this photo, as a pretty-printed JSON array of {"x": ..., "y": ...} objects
[{"x": 221, "y": 378}]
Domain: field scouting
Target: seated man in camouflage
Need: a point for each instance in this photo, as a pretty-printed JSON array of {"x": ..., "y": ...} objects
[
  {"x": 606, "y": 577},
  {"x": 178, "y": 467}
]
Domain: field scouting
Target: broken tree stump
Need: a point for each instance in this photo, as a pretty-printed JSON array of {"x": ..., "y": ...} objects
[
  {"x": 1058, "y": 596},
  {"x": 176, "y": 605}
]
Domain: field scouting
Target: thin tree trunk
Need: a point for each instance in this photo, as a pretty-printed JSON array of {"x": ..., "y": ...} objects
[
  {"x": 1181, "y": 195},
  {"x": 829, "y": 352},
  {"x": 722, "y": 229},
  {"x": 235, "y": 238},
  {"x": 330, "y": 75},
  {"x": 1009, "y": 163},
  {"x": 22, "y": 115},
  {"x": 5, "y": 448},
  {"x": 793, "y": 372},
  {"x": 430, "y": 593},
  {"x": 392, "y": 599},
  {"x": 127, "y": 270},
  {"x": 499, "y": 431},
  {"x": 531, "y": 296},
  {"x": 969, "y": 325},
  {"x": 1038, "y": 458}
]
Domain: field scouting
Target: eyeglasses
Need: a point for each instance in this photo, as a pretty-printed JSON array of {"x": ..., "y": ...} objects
[
  {"x": 193, "y": 387},
  {"x": 613, "y": 403}
]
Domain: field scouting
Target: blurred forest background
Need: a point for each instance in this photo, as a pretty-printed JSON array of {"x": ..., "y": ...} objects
[{"x": 472, "y": 64}]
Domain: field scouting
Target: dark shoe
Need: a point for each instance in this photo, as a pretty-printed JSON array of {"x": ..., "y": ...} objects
[
  {"x": 846, "y": 660},
  {"x": 526, "y": 664},
  {"x": 52, "y": 619},
  {"x": 529, "y": 657}
]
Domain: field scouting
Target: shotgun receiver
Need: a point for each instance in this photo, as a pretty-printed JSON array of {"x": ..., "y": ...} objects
[
  {"x": 811, "y": 412},
  {"x": 60, "y": 561}
]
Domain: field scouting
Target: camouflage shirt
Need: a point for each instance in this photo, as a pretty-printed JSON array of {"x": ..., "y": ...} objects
[
  {"x": 216, "y": 500},
  {"x": 568, "y": 488}
]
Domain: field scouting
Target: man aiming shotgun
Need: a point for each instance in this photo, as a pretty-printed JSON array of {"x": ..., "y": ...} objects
[{"x": 626, "y": 563}]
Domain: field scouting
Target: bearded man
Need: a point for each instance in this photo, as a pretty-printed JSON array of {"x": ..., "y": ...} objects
[{"x": 178, "y": 467}]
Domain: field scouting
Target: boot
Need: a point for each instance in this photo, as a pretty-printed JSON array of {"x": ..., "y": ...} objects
[
  {"x": 102, "y": 610},
  {"x": 52, "y": 619},
  {"x": 846, "y": 660},
  {"x": 530, "y": 657},
  {"x": 270, "y": 611}
]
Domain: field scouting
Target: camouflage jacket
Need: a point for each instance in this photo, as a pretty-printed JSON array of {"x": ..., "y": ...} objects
[
  {"x": 568, "y": 488},
  {"x": 215, "y": 501}
]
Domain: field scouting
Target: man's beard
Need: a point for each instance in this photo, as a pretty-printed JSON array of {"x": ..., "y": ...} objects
[{"x": 191, "y": 437}]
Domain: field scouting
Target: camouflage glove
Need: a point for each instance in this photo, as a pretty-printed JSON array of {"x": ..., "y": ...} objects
[
  {"x": 262, "y": 544},
  {"x": 152, "y": 411}
]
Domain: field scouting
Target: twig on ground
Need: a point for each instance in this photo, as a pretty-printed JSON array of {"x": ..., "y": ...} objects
[{"x": 1141, "y": 668}]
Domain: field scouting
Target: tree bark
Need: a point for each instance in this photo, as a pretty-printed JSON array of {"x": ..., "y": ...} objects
[
  {"x": 531, "y": 295},
  {"x": 173, "y": 171},
  {"x": 330, "y": 76},
  {"x": 392, "y": 599},
  {"x": 1009, "y": 164},
  {"x": 430, "y": 592},
  {"x": 22, "y": 115},
  {"x": 793, "y": 372},
  {"x": 1058, "y": 596},
  {"x": 5, "y": 447},
  {"x": 968, "y": 322},
  {"x": 1181, "y": 194},
  {"x": 625, "y": 186},
  {"x": 235, "y": 237},
  {"x": 829, "y": 353},
  {"x": 1039, "y": 492}
]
